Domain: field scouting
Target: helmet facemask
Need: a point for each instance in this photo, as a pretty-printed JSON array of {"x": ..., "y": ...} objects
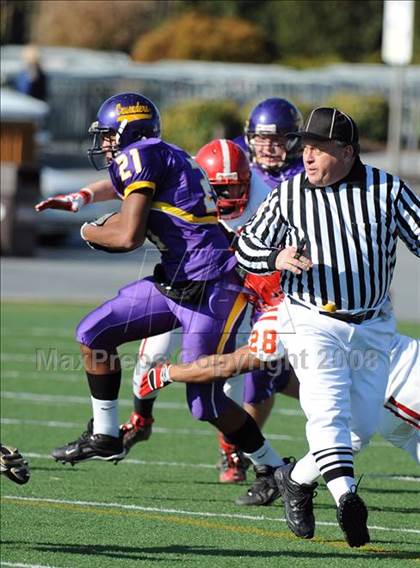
[
  {"x": 232, "y": 199},
  {"x": 228, "y": 171},
  {"x": 268, "y": 150},
  {"x": 104, "y": 146}
]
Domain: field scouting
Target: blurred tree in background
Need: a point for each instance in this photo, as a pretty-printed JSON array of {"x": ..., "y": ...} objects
[
  {"x": 193, "y": 123},
  {"x": 114, "y": 24},
  {"x": 16, "y": 21},
  {"x": 340, "y": 30},
  {"x": 370, "y": 113},
  {"x": 199, "y": 36},
  {"x": 300, "y": 33},
  {"x": 320, "y": 30}
]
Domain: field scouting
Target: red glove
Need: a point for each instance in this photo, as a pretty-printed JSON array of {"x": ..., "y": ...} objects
[
  {"x": 155, "y": 379},
  {"x": 71, "y": 202}
]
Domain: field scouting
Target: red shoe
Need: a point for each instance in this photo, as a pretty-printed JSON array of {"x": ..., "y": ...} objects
[
  {"x": 233, "y": 464},
  {"x": 137, "y": 429}
]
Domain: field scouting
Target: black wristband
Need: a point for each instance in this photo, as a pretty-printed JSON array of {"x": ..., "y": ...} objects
[{"x": 271, "y": 260}]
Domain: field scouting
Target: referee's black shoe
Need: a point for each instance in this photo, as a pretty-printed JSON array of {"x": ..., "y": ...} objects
[
  {"x": 90, "y": 446},
  {"x": 352, "y": 517},
  {"x": 298, "y": 502}
]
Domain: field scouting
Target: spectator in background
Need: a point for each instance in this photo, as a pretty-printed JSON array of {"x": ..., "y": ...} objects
[{"x": 32, "y": 80}]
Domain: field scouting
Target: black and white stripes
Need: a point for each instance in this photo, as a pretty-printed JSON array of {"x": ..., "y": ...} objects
[
  {"x": 351, "y": 231},
  {"x": 335, "y": 462}
]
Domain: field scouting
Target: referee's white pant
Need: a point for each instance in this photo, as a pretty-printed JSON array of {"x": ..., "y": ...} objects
[{"x": 343, "y": 372}]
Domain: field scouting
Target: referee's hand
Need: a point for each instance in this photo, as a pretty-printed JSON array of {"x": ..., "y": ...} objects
[{"x": 287, "y": 259}]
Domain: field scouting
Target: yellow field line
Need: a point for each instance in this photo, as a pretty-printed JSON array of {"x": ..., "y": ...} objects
[{"x": 199, "y": 523}]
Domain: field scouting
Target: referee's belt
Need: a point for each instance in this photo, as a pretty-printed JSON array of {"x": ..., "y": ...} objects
[{"x": 348, "y": 318}]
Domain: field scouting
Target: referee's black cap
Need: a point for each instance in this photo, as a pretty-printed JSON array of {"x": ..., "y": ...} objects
[{"x": 328, "y": 123}]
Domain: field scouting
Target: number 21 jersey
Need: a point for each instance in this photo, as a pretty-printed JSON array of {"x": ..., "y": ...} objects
[{"x": 182, "y": 221}]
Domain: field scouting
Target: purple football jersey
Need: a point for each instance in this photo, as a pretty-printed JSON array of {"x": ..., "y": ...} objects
[{"x": 182, "y": 221}]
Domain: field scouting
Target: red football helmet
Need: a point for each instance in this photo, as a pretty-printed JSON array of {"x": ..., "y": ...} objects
[{"x": 228, "y": 170}]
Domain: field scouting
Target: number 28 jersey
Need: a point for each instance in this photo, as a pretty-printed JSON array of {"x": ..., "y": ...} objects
[{"x": 182, "y": 221}]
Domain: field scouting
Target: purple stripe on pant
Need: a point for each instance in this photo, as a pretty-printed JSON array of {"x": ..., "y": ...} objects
[{"x": 140, "y": 310}]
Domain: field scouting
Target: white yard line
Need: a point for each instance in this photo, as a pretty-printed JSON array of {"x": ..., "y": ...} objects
[
  {"x": 188, "y": 513},
  {"x": 156, "y": 429},
  {"x": 17, "y": 357},
  {"x": 66, "y": 400},
  {"x": 61, "y": 332},
  {"x": 39, "y": 375},
  {"x": 130, "y": 461},
  {"x": 60, "y": 399},
  {"x": 20, "y": 565},
  {"x": 46, "y": 423}
]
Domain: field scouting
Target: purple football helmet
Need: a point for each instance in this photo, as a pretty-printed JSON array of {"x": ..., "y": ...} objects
[
  {"x": 274, "y": 117},
  {"x": 126, "y": 117}
]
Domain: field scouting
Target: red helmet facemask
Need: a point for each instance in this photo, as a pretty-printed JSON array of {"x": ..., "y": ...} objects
[{"x": 228, "y": 170}]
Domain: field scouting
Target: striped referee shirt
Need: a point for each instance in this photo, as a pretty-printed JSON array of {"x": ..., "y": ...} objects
[{"x": 351, "y": 230}]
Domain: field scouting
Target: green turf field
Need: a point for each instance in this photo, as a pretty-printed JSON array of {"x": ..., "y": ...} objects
[{"x": 163, "y": 506}]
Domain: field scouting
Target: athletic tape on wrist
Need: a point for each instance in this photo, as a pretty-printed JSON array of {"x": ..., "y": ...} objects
[{"x": 89, "y": 193}]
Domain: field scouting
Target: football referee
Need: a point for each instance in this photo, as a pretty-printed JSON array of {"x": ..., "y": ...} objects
[{"x": 333, "y": 231}]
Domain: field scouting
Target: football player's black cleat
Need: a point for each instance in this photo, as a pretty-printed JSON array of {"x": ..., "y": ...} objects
[
  {"x": 13, "y": 465},
  {"x": 91, "y": 447},
  {"x": 264, "y": 490},
  {"x": 297, "y": 502},
  {"x": 352, "y": 515}
]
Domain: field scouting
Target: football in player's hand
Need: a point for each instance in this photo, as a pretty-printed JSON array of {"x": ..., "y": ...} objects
[
  {"x": 107, "y": 218},
  {"x": 100, "y": 221}
]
